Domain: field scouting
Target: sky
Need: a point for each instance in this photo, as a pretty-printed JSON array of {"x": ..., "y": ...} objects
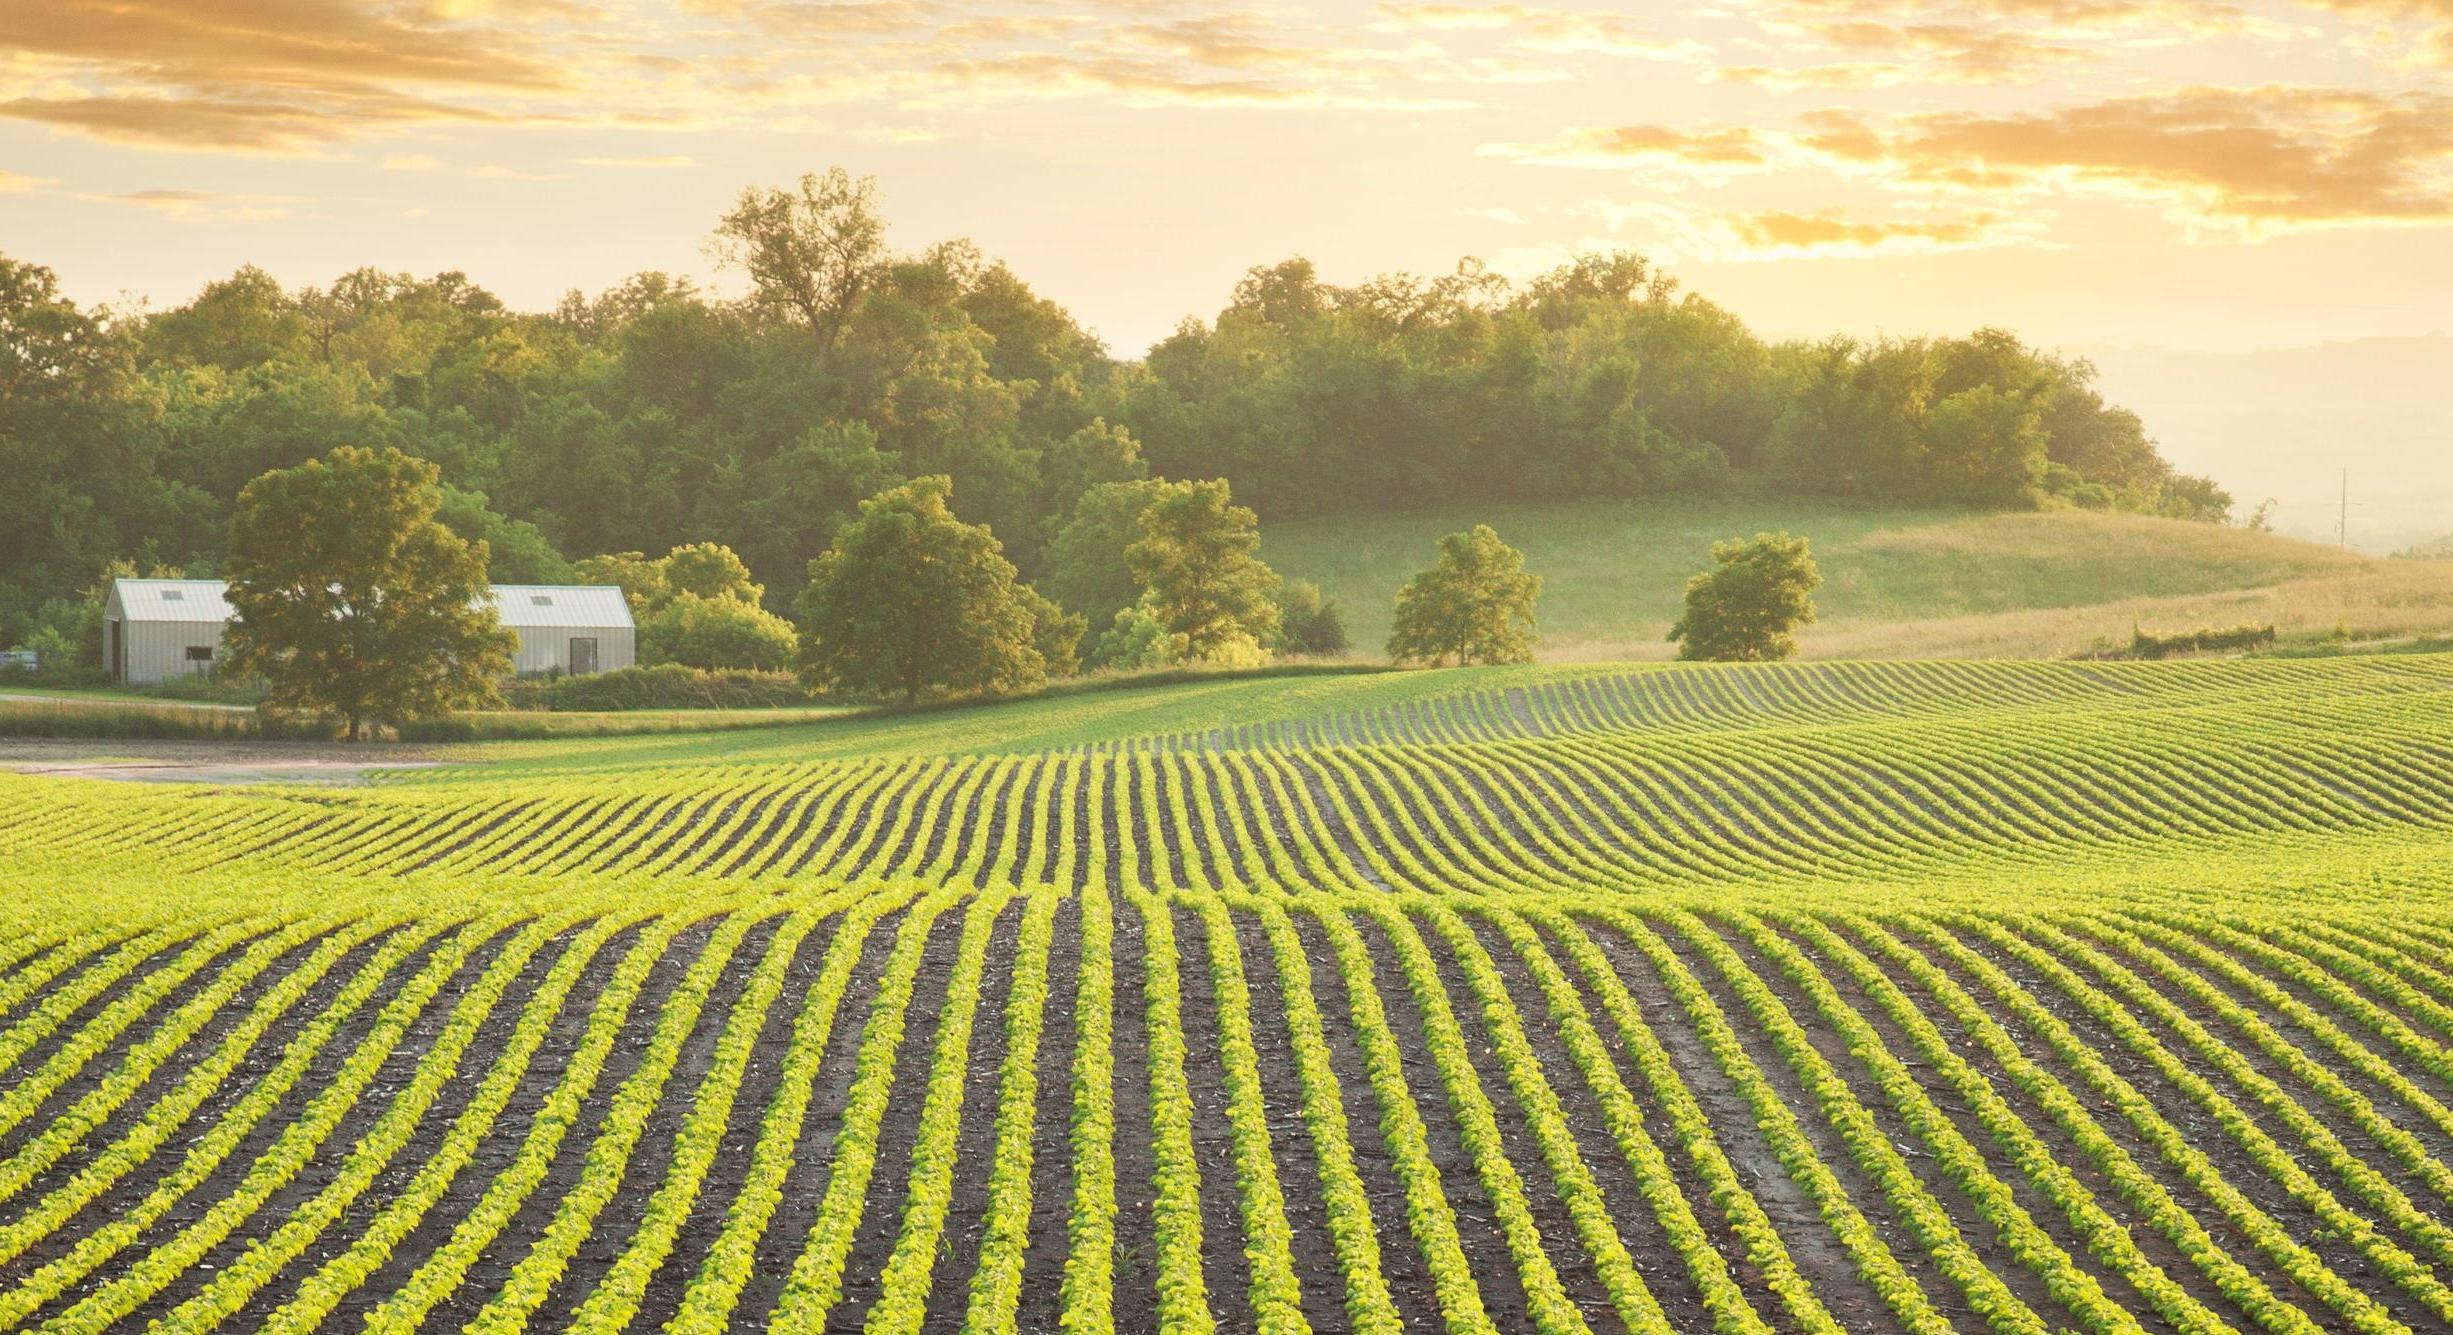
[{"x": 2217, "y": 175}]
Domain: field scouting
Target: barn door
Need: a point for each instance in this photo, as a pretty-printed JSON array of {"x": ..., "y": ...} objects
[{"x": 583, "y": 655}]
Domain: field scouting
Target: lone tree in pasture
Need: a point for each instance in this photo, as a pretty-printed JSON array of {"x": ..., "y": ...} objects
[
  {"x": 913, "y": 602},
  {"x": 1474, "y": 605},
  {"x": 353, "y": 602},
  {"x": 1198, "y": 564},
  {"x": 1747, "y": 608}
]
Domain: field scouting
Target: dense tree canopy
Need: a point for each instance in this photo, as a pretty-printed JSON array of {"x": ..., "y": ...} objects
[
  {"x": 654, "y": 414},
  {"x": 351, "y": 602}
]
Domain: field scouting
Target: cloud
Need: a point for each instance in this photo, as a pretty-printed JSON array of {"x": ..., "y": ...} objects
[
  {"x": 1716, "y": 152},
  {"x": 495, "y": 171},
  {"x": 1551, "y": 31},
  {"x": 2256, "y": 159},
  {"x": 411, "y": 162},
  {"x": 670, "y": 160},
  {"x": 14, "y": 183},
  {"x": 199, "y": 205},
  {"x": 257, "y": 75},
  {"x": 1776, "y": 234}
]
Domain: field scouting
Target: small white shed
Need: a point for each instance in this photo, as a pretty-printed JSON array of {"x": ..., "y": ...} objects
[
  {"x": 573, "y": 628},
  {"x": 156, "y": 629}
]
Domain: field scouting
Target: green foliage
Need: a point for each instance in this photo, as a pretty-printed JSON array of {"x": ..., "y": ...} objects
[
  {"x": 663, "y": 686},
  {"x": 1309, "y": 622},
  {"x": 1133, "y": 641},
  {"x": 1474, "y": 605},
  {"x": 1086, "y": 566},
  {"x": 1748, "y": 607},
  {"x": 352, "y": 601},
  {"x": 2146, "y": 646},
  {"x": 719, "y": 633},
  {"x": 518, "y": 552},
  {"x": 1197, "y": 562},
  {"x": 912, "y": 602},
  {"x": 644, "y": 583},
  {"x": 697, "y": 606},
  {"x": 709, "y": 570},
  {"x": 653, "y": 414},
  {"x": 1055, "y": 633}
]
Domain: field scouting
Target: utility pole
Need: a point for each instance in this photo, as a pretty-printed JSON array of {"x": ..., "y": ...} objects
[{"x": 2342, "y": 527}]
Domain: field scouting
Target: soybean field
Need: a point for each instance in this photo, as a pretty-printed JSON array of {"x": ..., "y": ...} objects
[{"x": 1852, "y": 996}]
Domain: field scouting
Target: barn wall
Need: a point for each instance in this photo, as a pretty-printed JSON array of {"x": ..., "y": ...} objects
[
  {"x": 157, "y": 650},
  {"x": 548, "y": 648}
]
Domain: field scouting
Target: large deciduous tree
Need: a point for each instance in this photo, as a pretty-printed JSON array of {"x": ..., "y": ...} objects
[
  {"x": 1199, "y": 567},
  {"x": 811, "y": 253},
  {"x": 1474, "y": 605},
  {"x": 1747, "y": 608},
  {"x": 913, "y": 602},
  {"x": 353, "y": 602}
]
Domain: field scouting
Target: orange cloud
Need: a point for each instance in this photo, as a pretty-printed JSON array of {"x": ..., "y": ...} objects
[
  {"x": 1553, "y": 31},
  {"x": 262, "y": 75},
  {"x": 1793, "y": 234},
  {"x": 1709, "y": 152},
  {"x": 2256, "y": 157}
]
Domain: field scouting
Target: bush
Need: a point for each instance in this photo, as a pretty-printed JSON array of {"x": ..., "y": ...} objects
[
  {"x": 717, "y": 634},
  {"x": 664, "y": 686},
  {"x": 1309, "y": 622},
  {"x": 2147, "y": 645}
]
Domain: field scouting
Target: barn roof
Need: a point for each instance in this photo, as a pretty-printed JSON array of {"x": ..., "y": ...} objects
[
  {"x": 537, "y": 606},
  {"x": 173, "y": 600},
  {"x": 578, "y": 606}
]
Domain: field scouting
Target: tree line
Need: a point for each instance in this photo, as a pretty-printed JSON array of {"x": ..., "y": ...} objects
[
  {"x": 656, "y": 416},
  {"x": 353, "y": 603}
]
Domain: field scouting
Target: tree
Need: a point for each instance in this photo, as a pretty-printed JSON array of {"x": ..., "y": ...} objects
[
  {"x": 1055, "y": 633},
  {"x": 811, "y": 253},
  {"x": 1198, "y": 565},
  {"x": 710, "y": 570},
  {"x": 721, "y": 632},
  {"x": 642, "y": 582},
  {"x": 1474, "y": 605},
  {"x": 912, "y": 602},
  {"x": 1309, "y": 621},
  {"x": 1748, "y": 607},
  {"x": 352, "y": 601},
  {"x": 1086, "y": 569}
]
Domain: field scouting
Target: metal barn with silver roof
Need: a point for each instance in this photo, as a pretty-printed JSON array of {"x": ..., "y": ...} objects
[
  {"x": 155, "y": 629},
  {"x": 573, "y": 628}
]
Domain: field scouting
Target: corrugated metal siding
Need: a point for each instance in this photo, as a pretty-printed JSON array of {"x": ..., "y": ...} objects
[
  {"x": 157, "y": 630},
  {"x": 157, "y": 650},
  {"x": 549, "y": 649}
]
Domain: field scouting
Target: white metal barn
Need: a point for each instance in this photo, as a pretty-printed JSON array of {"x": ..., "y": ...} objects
[
  {"x": 154, "y": 629},
  {"x": 573, "y": 628}
]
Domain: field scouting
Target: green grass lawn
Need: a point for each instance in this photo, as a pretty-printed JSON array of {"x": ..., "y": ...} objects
[{"x": 1902, "y": 582}]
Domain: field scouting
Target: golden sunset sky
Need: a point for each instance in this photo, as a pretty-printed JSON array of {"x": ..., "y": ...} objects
[{"x": 2182, "y": 173}]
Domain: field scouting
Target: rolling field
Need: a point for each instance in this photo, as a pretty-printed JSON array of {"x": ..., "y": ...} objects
[
  {"x": 1901, "y": 583},
  {"x": 1860, "y": 996}
]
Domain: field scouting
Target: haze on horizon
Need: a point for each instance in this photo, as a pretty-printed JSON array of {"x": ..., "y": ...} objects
[{"x": 2101, "y": 176}]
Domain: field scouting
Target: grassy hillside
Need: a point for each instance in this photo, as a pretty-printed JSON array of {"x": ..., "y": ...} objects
[{"x": 1900, "y": 582}]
